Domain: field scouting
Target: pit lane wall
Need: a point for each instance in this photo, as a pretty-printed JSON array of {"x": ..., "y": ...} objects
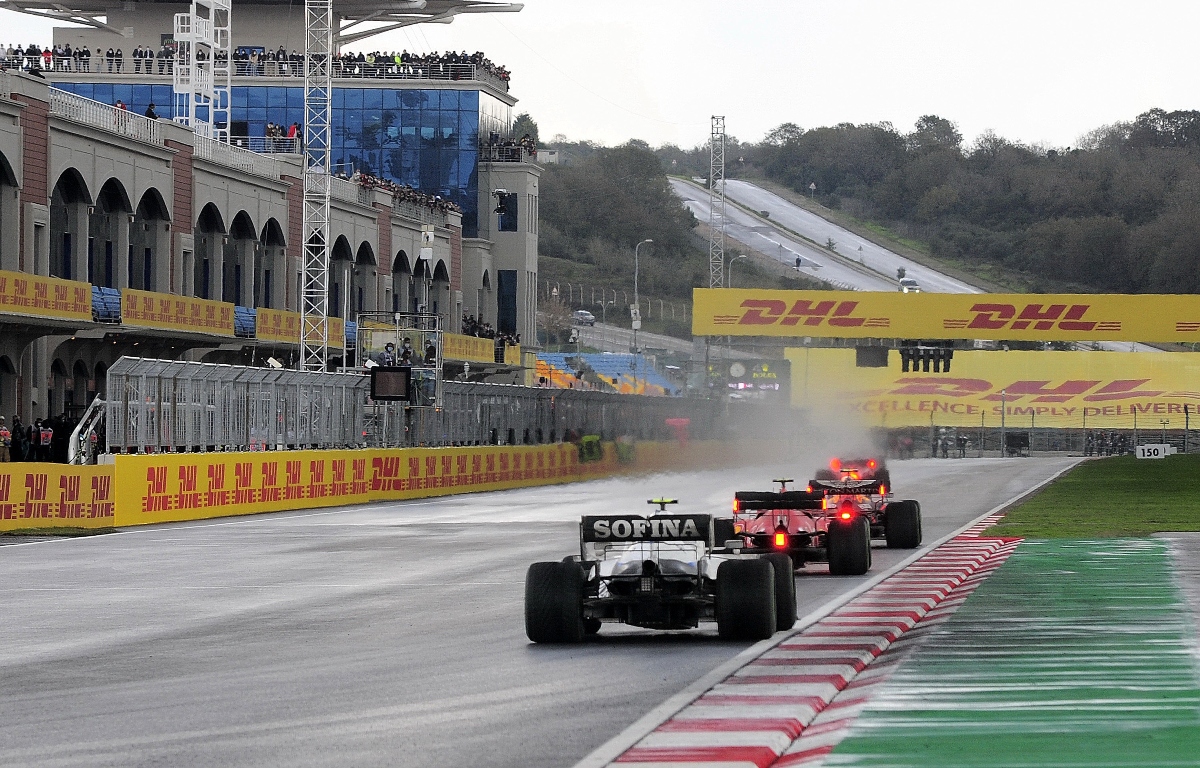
[
  {"x": 157, "y": 488},
  {"x": 1077, "y": 390}
]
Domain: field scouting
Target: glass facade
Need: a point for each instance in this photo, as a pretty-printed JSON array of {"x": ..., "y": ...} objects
[{"x": 426, "y": 138}]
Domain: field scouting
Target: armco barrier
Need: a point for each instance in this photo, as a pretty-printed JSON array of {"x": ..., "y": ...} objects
[{"x": 157, "y": 488}]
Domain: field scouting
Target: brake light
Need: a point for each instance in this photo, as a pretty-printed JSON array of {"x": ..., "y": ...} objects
[
  {"x": 810, "y": 487},
  {"x": 871, "y": 464},
  {"x": 737, "y": 505},
  {"x": 781, "y": 540},
  {"x": 883, "y": 490},
  {"x": 835, "y": 465},
  {"x": 846, "y": 510},
  {"x": 846, "y": 515},
  {"x": 852, "y": 474}
]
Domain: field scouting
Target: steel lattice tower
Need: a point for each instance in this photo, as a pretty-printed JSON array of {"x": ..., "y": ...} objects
[
  {"x": 318, "y": 87},
  {"x": 716, "y": 204}
]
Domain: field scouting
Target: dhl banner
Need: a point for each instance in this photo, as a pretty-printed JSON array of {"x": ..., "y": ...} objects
[
  {"x": 1002, "y": 316},
  {"x": 156, "y": 488},
  {"x": 470, "y": 348},
  {"x": 146, "y": 309},
  {"x": 1110, "y": 390},
  {"x": 25, "y": 294},
  {"x": 278, "y": 325},
  {"x": 43, "y": 495},
  {"x": 337, "y": 331}
]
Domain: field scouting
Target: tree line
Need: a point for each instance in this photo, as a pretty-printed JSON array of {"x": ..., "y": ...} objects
[{"x": 1119, "y": 212}]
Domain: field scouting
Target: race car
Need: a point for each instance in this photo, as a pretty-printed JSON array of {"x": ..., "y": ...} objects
[
  {"x": 855, "y": 469},
  {"x": 830, "y": 521},
  {"x": 659, "y": 571}
]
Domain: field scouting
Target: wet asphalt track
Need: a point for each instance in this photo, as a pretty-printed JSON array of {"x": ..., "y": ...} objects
[{"x": 379, "y": 635}]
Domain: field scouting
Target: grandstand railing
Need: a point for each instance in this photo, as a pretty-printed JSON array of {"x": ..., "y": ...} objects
[
  {"x": 235, "y": 157},
  {"x": 162, "y": 405},
  {"x": 500, "y": 153},
  {"x": 105, "y": 117},
  {"x": 267, "y": 145},
  {"x": 420, "y": 212},
  {"x": 349, "y": 191},
  {"x": 380, "y": 70}
]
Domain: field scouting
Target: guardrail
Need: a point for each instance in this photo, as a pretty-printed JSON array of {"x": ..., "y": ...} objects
[
  {"x": 105, "y": 117},
  {"x": 235, "y": 157},
  {"x": 420, "y": 212},
  {"x": 267, "y": 145},
  {"x": 351, "y": 192}
]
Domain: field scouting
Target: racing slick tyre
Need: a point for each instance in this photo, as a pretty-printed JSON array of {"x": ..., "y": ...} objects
[
  {"x": 745, "y": 600},
  {"x": 849, "y": 547},
  {"x": 554, "y": 603},
  {"x": 723, "y": 530},
  {"x": 902, "y": 524},
  {"x": 591, "y": 625},
  {"x": 785, "y": 589}
]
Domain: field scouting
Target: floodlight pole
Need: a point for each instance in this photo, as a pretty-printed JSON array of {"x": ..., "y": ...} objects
[
  {"x": 318, "y": 88},
  {"x": 1003, "y": 435},
  {"x": 716, "y": 203},
  {"x": 636, "y": 301}
]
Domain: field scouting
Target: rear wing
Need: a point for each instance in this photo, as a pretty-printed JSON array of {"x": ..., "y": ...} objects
[
  {"x": 847, "y": 487},
  {"x": 620, "y": 529},
  {"x": 745, "y": 501}
]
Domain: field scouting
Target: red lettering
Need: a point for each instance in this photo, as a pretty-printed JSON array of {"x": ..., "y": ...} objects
[
  {"x": 1124, "y": 389},
  {"x": 992, "y": 316},
  {"x": 941, "y": 387},
  {"x": 813, "y": 314},
  {"x": 1059, "y": 394},
  {"x": 755, "y": 309},
  {"x": 841, "y": 318},
  {"x": 1045, "y": 319},
  {"x": 1076, "y": 312}
]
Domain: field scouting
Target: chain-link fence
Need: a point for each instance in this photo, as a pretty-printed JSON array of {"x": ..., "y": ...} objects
[{"x": 160, "y": 405}]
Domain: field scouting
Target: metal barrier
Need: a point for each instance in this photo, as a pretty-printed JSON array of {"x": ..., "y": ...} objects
[
  {"x": 163, "y": 405},
  {"x": 105, "y": 117},
  {"x": 351, "y": 192},
  {"x": 235, "y": 157}
]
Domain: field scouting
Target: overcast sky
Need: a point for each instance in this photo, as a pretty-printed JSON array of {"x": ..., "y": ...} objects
[{"x": 1037, "y": 72}]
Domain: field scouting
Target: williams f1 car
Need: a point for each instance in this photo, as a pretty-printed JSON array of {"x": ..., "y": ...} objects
[{"x": 659, "y": 571}]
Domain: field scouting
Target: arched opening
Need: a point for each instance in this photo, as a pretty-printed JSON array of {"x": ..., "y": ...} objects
[
  {"x": 239, "y": 250},
  {"x": 8, "y": 388},
  {"x": 60, "y": 389},
  {"x": 365, "y": 292},
  {"x": 108, "y": 236},
  {"x": 102, "y": 379},
  {"x": 206, "y": 267},
  {"x": 341, "y": 262},
  {"x": 81, "y": 394},
  {"x": 150, "y": 244},
  {"x": 402, "y": 283},
  {"x": 271, "y": 271},
  {"x": 485, "y": 302},
  {"x": 69, "y": 203},
  {"x": 439, "y": 298},
  {"x": 422, "y": 279},
  {"x": 10, "y": 217}
]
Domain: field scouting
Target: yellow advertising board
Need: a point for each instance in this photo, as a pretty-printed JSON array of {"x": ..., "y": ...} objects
[
  {"x": 455, "y": 346},
  {"x": 278, "y": 325},
  {"x": 1022, "y": 317},
  {"x": 164, "y": 311},
  {"x": 1110, "y": 390},
  {"x": 25, "y": 294},
  {"x": 44, "y": 495}
]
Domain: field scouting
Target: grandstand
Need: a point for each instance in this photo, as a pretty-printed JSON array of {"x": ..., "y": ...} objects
[{"x": 624, "y": 373}]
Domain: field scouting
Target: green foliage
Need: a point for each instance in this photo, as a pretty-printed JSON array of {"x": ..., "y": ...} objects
[
  {"x": 524, "y": 125},
  {"x": 1119, "y": 496},
  {"x": 1120, "y": 213}
]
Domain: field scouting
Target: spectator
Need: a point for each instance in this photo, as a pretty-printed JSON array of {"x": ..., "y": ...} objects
[{"x": 150, "y": 113}]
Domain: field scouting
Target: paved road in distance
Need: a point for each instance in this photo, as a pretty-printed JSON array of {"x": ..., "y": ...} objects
[{"x": 379, "y": 635}]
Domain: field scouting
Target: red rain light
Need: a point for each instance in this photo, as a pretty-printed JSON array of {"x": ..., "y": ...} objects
[
  {"x": 871, "y": 464},
  {"x": 780, "y": 540},
  {"x": 847, "y": 515},
  {"x": 737, "y": 505},
  {"x": 835, "y": 465}
]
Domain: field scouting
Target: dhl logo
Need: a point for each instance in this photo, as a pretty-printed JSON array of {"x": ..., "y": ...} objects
[
  {"x": 1039, "y": 317},
  {"x": 806, "y": 312},
  {"x": 1037, "y": 391}
]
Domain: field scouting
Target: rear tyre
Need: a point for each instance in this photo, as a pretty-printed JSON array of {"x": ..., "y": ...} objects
[
  {"x": 591, "y": 625},
  {"x": 902, "y": 524},
  {"x": 849, "y": 547},
  {"x": 723, "y": 530},
  {"x": 785, "y": 590},
  {"x": 746, "y": 600},
  {"x": 554, "y": 603}
]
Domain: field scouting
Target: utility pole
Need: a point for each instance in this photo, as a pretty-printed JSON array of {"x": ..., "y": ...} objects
[
  {"x": 1003, "y": 433},
  {"x": 716, "y": 203},
  {"x": 636, "y": 313}
]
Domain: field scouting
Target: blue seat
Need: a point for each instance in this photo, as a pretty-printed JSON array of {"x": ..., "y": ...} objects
[{"x": 245, "y": 322}]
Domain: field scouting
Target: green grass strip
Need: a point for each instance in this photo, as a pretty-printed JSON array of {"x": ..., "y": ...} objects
[
  {"x": 1074, "y": 653},
  {"x": 1118, "y": 496}
]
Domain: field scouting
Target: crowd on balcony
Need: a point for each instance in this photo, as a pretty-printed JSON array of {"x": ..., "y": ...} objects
[
  {"x": 507, "y": 150},
  {"x": 484, "y": 330},
  {"x": 402, "y": 192},
  {"x": 255, "y": 61}
]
